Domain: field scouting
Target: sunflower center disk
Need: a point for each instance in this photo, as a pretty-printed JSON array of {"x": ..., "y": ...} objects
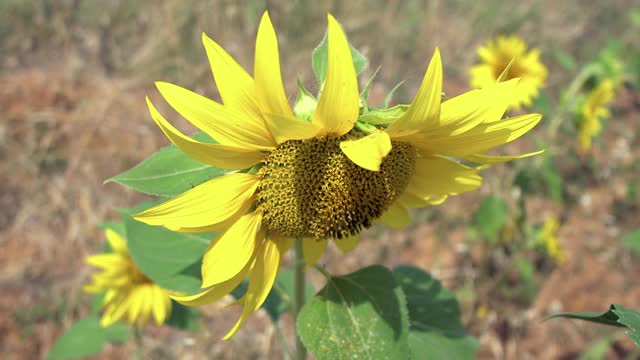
[{"x": 310, "y": 189}]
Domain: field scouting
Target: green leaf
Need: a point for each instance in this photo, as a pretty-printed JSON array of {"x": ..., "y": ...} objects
[
  {"x": 597, "y": 350},
  {"x": 305, "y": 103},
  {"x": 183, "y": 317},
  {"x": 168, "y": 172},
  {"x": 172, "y": 260},
  {"x": 364, "y": 94},
  {"x": 435, "y": 330},
  {"x": 490, "y": 217},
  {"x": 387, "y": 99},
  {"x": 630, "y": 319},
  {"x": 320, "y": 55},
  {"x": 384, "y": 117},
  {"x": 117, "y": 333},
  {"x": 84, "y": 338},
  {"x": 616, "y": 316},
  {"x": 362, "y": 315},
  {"x": 632, "y": 240}
]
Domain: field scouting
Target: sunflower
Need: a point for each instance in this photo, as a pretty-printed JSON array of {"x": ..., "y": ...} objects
[
  {"x": 593, "y": 110},
  {"x": 127, "y": 291},
  {"x": 496, "y": 55},
  {"x": 550, "y": 240},
  {"x": 322, "y": 179}
]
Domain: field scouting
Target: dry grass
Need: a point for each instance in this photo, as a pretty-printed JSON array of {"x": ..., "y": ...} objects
[{"x": 74, "y": 74}]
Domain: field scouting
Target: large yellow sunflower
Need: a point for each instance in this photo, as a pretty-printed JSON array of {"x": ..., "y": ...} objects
[
  {"x": 593, "y": 111},
  {"x": 320, "y": 179},
  {"x": 128, "y": 292},
  {"x": 496, "y": 55}
]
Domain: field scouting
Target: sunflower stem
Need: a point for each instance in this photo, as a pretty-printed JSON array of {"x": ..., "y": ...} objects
[
  {"x": 137, "y": 337},
  {"x": 298, "y": 296}
]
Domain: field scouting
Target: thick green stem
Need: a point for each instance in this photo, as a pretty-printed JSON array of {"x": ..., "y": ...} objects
[
  {"x": 137, "y": 337},
  {"x": 298, "y": 296}
]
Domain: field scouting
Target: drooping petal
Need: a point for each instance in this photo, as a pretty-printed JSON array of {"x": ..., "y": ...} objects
[
  {"x": 339, "y": 101},
  {"x": 106, "y": 261},
  {"x": 224, "y": 124},
  {"x": 235, "y": 86},
  {"x": 116, "y": 242},
  {"x": 288, "y": 128},
  {"x": 312, "y": 250},
  {"x": 347, "y": 244},
  {"x": 222, "y": 156},
  {"x": 261, "y": 279},
  {"x": 268, "y": 79},
  {"x": 434, "y": 177},
  {"x": 215, "y": 292},
  {"x": 369, "y": 151},
  {"x": 230, "y": 251},
  {"x": 137, "y": 301},
  {"x": 424, "y": 111},
  {"x": 207, "y": 204},
  {"x": 396, "y": 216}
]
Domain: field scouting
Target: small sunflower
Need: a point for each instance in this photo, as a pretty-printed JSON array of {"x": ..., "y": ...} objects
[
  {"x": 322, "y": 179},
  {"x": 593, "y": 111},
  {"x": 128, "y": 293},
  {"x": 496, "y": 55},
  {"x": 550, "y": 240}
]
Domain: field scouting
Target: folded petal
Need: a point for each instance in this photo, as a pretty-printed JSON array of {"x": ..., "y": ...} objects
[
  {"x": 261, "y": 279},
  {"x": 230, "y": 251},
  {"x": 222, "y": 156},
  {"x": 289, "y": 128},
  {"x": 396, "y": 216},
  {"x": 209, "y": 203},
  {"x": 235, "y": 86},
  {"x": 224, "y": 124},
  {"x": 339, "y": 102},
  {"x": 270, "y": 92},
  {"x": 424, "y": 111},
  {"x": 347, "y": 244},
  {"x": 312, "y": 250},
  {"x": 369, "y": 151}
]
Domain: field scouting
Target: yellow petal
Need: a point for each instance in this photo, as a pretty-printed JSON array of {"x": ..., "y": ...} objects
[
  {"x": 116, "y": 242},
  {"x": 312, "y": 250},
  {"x": 435, "y": 176},
  {"x": 222, "y": 156},
  {"x": 215, "y": 292},
  {"x": 106, "y": 261},
  {"x": 159, "y": 305},
  {"x": 289, "y": 128},
  {"x": 235, "y": 86},
  {"x": 369, "y": 151},
  {"x": 347, "y": 244},
  {"x": 339, "y": 102},
  {"x": 137, "y": 302},
  {"x": 224, "y": 124},
  {"x": 424, "y": 111},
  {"x": 118, "y": 310},
  {"x": 396, "y": 216},
  {"x": 490, "y": 159},
  {"x": 261, "y": 281},
  {"x": 209, "y": 203},
  {"x": 230, "y": 251},
  {"x": 483, "y": 137},
  {"x": 268, "y": 79}
]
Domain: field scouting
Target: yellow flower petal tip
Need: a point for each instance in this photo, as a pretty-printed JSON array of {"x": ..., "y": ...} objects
[{"x": 369, "y": 151}]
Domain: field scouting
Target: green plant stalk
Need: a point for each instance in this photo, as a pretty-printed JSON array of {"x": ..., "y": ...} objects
[
  {"x": 137, "y": 337},
  {"x": 569, "y": 98},
  {"x": 298, "y": 296}
]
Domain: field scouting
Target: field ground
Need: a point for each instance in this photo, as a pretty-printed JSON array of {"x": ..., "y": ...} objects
[{"x": 73, "y": 79}]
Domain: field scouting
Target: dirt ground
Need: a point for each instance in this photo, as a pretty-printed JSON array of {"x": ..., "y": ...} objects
[{"x": 72, "y": 114}]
